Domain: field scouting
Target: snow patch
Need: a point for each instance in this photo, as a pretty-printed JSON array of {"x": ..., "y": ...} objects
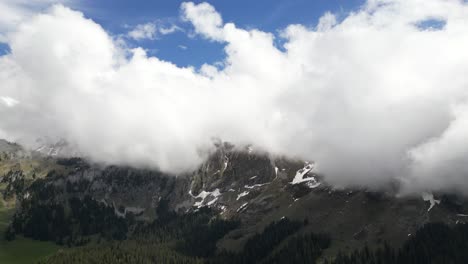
[
  {"x": 242, "y": 207},
  {"x": 242, "y": 195},
  {"x": 212, "y": 201},
  {"x": 256, "y": 185},
  {"x": 203, "y": 195},
  {"x": 299, "y": 178},
  {"x": 216, "y": 193},
  {"x": 249, "y": 149},
  {"x": 226, "y": 162},
  {"x": 223, "y": 209},
  {"x": 429, "y": 197},
  {"x": 190, "y": 193},
  {"x": 311, "y": 182}
]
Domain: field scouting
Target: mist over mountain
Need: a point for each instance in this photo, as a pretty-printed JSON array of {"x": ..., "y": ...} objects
[
  {"x": 239, "y": 206},
  {"x": 374, "y": 96}
]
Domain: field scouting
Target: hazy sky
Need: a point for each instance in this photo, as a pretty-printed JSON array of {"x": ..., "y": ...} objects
[{"x": 373, "y": 93}]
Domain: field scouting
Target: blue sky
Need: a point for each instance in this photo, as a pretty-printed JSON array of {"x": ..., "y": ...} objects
[{"x": 119, "y": 16}]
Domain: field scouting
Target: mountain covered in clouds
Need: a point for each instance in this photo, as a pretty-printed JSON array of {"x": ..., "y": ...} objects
[
  {"x": 73, "y": 202},
  {"x": 374, "y": 95},
  {"x": 344, "y": 139}
]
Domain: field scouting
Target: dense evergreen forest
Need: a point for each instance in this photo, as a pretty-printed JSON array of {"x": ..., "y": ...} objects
[
  {"x": 435, "y": 243},
  {"x": 192, "y": 239},
  {"x": 263, "y": 247},
  {"x": 71, "y": 224},
  {"x": 278, "y": 243}
]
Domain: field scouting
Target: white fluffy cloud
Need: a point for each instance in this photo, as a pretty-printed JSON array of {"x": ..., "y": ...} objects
[
  {"x": 13, "y": 12},
  {"x": 170, "y": 29},
  {"x": 143, "y": 31},
  {"x": 151, "y": 30},
  {"x": 373, "y": 98},
  {"x": 204, "y": 17}
]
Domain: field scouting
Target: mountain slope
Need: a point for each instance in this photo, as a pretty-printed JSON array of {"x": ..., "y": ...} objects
[{"x": 74, "y": 202}]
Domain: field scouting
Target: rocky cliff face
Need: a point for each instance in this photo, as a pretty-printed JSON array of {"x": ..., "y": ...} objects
[{"x": 236, "y": 183}]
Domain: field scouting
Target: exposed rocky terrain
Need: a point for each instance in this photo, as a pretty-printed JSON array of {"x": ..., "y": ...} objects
[{"x": 240, "y": 184}]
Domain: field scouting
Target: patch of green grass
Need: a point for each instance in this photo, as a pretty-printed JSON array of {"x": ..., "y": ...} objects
[
  {"x": 21, "y": 250},
  {"x": 25, "y": 251}
]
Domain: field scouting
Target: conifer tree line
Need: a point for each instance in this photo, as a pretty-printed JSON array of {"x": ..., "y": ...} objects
[
  {"x": 279, "y": 243},
  {"x": 435, "y": 243}
]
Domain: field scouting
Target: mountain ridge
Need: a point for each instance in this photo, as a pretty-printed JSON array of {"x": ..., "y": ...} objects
[{"x": 239, "y": 185}]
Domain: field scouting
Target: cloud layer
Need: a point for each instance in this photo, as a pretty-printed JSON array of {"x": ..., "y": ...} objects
[{"x": 374, "y": 97}]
